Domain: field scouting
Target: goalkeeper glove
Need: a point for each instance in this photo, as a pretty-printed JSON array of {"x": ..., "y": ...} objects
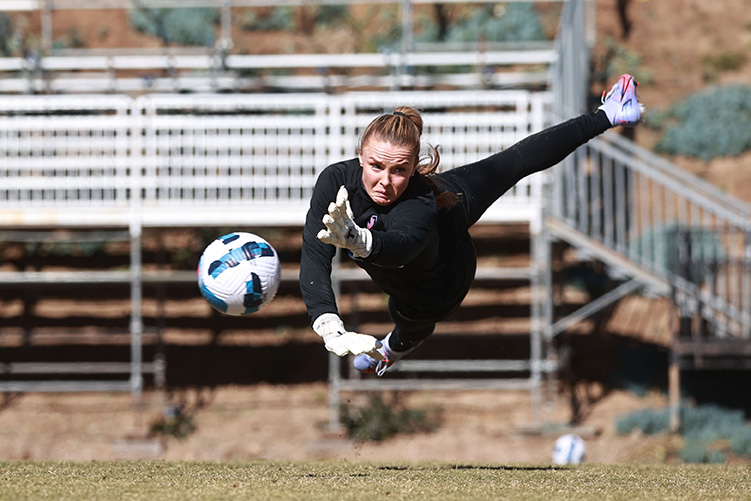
[
  {"x": 341, "y": 342},
  {"x": 341, "y": 229}
]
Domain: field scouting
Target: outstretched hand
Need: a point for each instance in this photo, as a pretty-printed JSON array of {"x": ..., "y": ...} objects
[
  {"x": 354, "y": 343},
  {"x": 341, "y": 229},
  {"x": 342, "y": 342}
]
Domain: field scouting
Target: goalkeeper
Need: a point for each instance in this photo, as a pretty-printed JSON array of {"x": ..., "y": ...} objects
[{"x": 408, "y": 227}]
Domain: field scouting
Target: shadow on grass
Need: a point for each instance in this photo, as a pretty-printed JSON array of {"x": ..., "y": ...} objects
[{"x": 477, "y": 467}]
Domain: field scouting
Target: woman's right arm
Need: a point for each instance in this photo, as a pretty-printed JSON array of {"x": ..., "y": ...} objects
[
  {"x": 315, "y": 263},
  {"x": 315, "y": 276}
]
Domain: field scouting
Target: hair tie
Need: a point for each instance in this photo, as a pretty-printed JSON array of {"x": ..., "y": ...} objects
[{"x": 400, "y": 114}]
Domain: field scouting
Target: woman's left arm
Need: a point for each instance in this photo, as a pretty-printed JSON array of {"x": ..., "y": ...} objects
[{"x": 411, "y": 226}]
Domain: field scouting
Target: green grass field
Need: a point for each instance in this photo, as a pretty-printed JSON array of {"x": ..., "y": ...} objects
[{"x": 337, "y": 480}]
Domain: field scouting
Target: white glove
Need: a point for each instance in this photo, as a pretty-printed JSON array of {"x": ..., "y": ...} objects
[
  {"x": 341, "y": 229},
  {"x": 354, "y": 343},
  {"x": 341, "y": 342}
]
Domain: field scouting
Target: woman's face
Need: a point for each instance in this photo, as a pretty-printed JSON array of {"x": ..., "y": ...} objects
[{"x": 386, "y": 169}]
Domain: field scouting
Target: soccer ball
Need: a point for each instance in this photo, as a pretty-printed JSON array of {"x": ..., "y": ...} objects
[
  {"x": 569, "y": 449},
  {"x": 239, "y": 273}
]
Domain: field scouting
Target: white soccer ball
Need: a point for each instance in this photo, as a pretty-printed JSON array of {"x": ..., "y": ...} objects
[
  {"x": 569, "y": 449},
  {"x": 239, "y": 273}
]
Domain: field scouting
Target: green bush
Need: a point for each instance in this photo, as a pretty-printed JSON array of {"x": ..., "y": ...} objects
[
  {"x": 175, "y": 422},
  {"x": 6, "y": 35},
  {"x": 648, "y": 421},
  {"x": 16, "y": 36},
  {"x": 331, "y": 15},
  {"x": 709, "y": 430},
  {"x": 660, "y": 249},
  {"x": 513, "y": 22},
  {"x": 709, "y": 124},
  {"x": 699, "y": 451},
  {"x": 740, "y": 442},
  {"x": 710, "y": 422},
  {"x": 183, "y": 26},
  {"x": 278, "y": 19},
  {"x": 379, "y": 420},
  {"x": 71, "y": 40}
]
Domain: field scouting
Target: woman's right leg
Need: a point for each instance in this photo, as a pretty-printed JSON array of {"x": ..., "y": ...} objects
[{"x": 406, "y": 335}]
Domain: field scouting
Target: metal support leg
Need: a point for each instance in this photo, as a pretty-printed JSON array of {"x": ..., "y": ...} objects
[
  {"x": 536, "y": 332},
  {"x": 334, "y": 361},
  {"x": 334, "y": 394},
  {"x": 674, "y": 392},
  {"x": 136, "y": 318}
]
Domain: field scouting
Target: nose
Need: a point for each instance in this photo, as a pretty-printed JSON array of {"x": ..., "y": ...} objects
[{"x": 385, "y": 179}]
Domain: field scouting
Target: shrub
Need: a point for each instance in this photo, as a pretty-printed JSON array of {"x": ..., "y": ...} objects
[
  {"x": 16, "y": 37},
  {"x": 331, "y": 15},
  {"x": 71, "y": 40},
  {"x": 710, "y": 422},
  {"x": 709, "y": 430},
  {"x": 740, "y": 442},
  {"x": 6, "y": 35},
  {"x": 708, "y": 124},
  {"x": 661, "y": 246},
  {"x": 699, "y": 451},
  {"x": 174, "y": 421},
  {"x": 514, "y": 22},
  {"x": 378, "y": 420},
  {"x": 278, "y": 19},
  {"x": 183, "y": 26},
  {"x": 648, "y": 421}
]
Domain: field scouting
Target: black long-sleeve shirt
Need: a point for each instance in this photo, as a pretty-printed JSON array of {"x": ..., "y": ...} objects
[{"x": 406, "y": 260}]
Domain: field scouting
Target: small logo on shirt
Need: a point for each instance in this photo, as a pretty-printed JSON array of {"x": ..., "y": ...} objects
[{"x": 372, "y": 221}]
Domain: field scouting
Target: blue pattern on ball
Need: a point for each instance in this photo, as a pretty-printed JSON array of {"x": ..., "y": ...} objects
[
  {"x": 247, "y": 252},
  {"x": 229, "y": 238},
  {"x": 254, "y": 296},
  {"x": 213, "y": 300}
]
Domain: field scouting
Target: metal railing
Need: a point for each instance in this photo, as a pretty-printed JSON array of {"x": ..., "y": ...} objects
[
  {"x": 213, "y": 72},
  {"x": 217, "y": 68},
  {"x": 655, "y": 222}
]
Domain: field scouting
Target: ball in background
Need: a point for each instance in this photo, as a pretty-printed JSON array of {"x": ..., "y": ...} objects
[
  {"x": 238, "y": 273},
  {"x": 569, "y": 449}
]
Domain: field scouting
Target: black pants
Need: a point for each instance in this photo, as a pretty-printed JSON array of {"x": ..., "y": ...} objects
[{"x": 482, "y": 183}]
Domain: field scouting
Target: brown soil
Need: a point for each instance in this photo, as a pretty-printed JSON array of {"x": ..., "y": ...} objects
[{"x": 289, "y": 420}]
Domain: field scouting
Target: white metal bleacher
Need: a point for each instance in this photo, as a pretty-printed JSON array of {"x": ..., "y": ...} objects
[
  {"x": 187, "y": 160},
  {"x": 222, "y": 160}
]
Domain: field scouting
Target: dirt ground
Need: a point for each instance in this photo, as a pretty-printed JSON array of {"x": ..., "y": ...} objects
[{"x": 290, "y": 421}]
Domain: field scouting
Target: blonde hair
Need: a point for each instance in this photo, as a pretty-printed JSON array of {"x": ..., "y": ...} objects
[{"x": 403, "y": 127}]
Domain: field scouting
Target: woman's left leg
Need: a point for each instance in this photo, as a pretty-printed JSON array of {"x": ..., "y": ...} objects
[{"x": 481, "y": 183}]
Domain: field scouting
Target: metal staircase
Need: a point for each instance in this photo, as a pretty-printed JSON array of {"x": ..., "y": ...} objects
[{"x": 654, "y": 225}]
